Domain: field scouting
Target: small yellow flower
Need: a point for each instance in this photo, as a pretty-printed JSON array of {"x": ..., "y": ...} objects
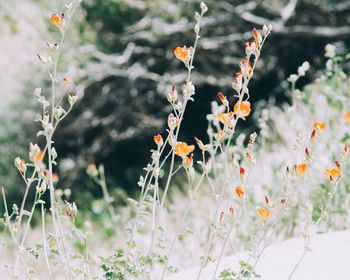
[
  {"x": 240, "y": 192},
  {"x": 347, "y": 118},
  {"x": 182, "y": 149},
  {"x": 332, "y": 173},
  {"x": 263, "y": 214},
  {"x": 182, "y": 53},
  {"x": 243, "y": 108},
  {"x": 56, "y": 19},
  {"x": 320, "y": 126},
  {"x": 301, "y": 168},
  {"x": 225, "y": 118}
]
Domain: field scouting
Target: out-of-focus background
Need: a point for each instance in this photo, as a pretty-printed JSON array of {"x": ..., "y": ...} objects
[{"x": 119, "y": 56}]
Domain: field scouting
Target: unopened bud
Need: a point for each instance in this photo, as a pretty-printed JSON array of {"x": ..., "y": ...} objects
[
  {"x": 20, "y": 164},
  {"x": 223, "y": 99}
]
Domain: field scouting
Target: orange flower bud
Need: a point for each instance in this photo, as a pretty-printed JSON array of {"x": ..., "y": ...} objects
[
  {"x": 257, "y": 37},
  {"x": 301, "y": 168},
  {"x": 240, "y": 192},
  {"x": 223, "y": 99},
  {"x": 56, "y": 19},
  {"x": 158, "y": 139}
]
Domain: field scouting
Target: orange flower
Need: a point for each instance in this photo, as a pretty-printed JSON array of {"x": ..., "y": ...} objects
[
  {"x": 182, "y": 149},
  {"x": 320, "y": 126},
  {"x": 242, "y": 108},
  {"x": 332, "y": 173},
  {"x": 66, "y": 79},
  {"x": 239, "y": 191},
  {"x": 264, "y": 214},
  {"x": 182, "y": 53},
  {"x": 225, "y": 118},
  {"x": 158, "y": 139},
  {"x": 301, "y": 168},
  {"x": 347, "y": 118},
  {"x": 40, "y": 156},
  {"x": 56, "y": 19}
]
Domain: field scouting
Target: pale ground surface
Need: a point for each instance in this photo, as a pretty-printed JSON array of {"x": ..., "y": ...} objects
[{"x": 329, "y": 259}]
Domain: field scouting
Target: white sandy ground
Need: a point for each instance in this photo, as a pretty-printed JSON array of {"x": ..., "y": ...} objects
[{"x": 328, "y": 260}]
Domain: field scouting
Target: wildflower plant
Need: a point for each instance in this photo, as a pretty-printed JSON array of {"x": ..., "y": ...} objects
[
  {"x": 38, "y": 174},
  {"x": 241, "y": 193}
]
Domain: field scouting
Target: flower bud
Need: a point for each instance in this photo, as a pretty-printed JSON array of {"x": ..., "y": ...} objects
[
  {"x": 201, "y": 145},
  {"x": 172, "y": 121},
  {"x": 204, "y": 7},
  {"x": 241, "y": 173},
  {"x": 41, "y": 188},
  {"x": 21, "y": 165},
  {"x": 92, "y": 170},
  {"x": 158, "y": 139},
  {"x": 172, "y": 95},
  {"x": 223, "y": 99}
]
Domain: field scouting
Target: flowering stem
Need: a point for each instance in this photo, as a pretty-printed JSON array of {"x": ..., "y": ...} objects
[
  {"x": 44, "y": 241},
  {"x": 188, "y": 206},
  {"x": 328, "y": 204}
]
